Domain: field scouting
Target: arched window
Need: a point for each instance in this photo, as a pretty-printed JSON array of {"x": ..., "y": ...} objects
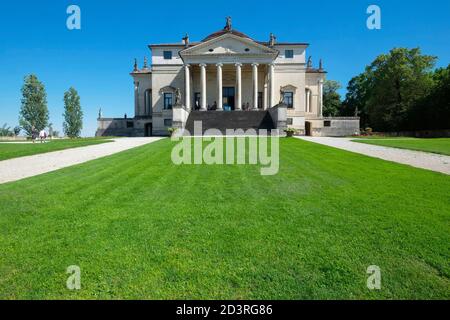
[{"x": 148, "y": 102}]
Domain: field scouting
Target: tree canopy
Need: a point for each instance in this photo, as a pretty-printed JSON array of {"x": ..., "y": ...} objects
[
  {"x": 331, "y": 98},
  {"x": 73, "y": 115},
  {"x": 386, "y": 94},
  {"x": 33, "y": 111}
]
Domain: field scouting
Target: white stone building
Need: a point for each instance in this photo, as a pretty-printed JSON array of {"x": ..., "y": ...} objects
[{"x": 228, "y": 72}]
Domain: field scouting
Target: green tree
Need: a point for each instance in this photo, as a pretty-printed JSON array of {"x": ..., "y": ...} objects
[
  {"x": 34, "y": 111},
  {"x": 433, "y": 110},
  {"x": 390, "y": 87},
  {"x": 400, "y": 79},
  {"x": 331, "y": 98},
  {"x": 5, "y": 131},
  {"x": 17, "y": 130},
  {"x": 73, "y": 115}
]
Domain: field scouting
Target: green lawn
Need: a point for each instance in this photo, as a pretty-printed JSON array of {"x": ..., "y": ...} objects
[
  {"x": 11, "y": 150},
  {"x": 141, "y": 227},
  {"x": 438, "y": 145}
]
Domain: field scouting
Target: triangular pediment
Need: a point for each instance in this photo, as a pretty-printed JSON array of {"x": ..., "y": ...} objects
[{"x": 229, "y": 44}]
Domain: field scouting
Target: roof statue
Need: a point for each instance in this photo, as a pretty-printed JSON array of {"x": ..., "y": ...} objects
[
  {"x": 228, "y": 26},
  {"x": 273, "y": 39}
]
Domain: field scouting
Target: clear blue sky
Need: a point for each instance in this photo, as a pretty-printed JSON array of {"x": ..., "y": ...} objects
[{"x": 97, "y": 60}]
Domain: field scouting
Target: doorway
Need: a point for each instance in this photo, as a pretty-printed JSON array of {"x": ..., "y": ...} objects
[
  {"x": 228, "y": 94},
  {"x": 308, "y": 128},
  {"x": 148, "y": 130}
]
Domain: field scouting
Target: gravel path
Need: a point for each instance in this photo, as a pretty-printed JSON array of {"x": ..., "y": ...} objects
[
  {"x": 24, "y": 167},
  {"x": 418, "y": 159}
]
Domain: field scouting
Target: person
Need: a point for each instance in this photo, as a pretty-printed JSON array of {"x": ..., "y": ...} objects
[
  {"x": 214, "y": 107},
  {"x": 247, "y": 106},
  {"x": 197, "y": 107},
  {"x": 43, "y": 135},
  {"x": 33, "y": 135}
]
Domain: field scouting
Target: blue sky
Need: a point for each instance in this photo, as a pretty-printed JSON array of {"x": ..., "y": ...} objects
[{"x": 97, "y": 59}]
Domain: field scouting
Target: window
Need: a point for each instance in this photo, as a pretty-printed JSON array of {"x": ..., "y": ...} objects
[
  {"x": 289, "y": 121},
  {"x": 168, "y": 101},
  {"x": 130, "y": 124},
  {"x": 327, "y": 123},
  {"x": 167, "y": 55},
  {"x": 289, "y": 99},
  {"x": 289, "y": 54},
  {"x": 167, "y": 122}
]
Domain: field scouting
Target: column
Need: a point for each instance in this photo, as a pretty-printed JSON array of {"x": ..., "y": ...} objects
[
  {"x": 219, "y": 87},
  {"x": 238, "y": 103},
  {"x": 321, "y": 98},
  {"x": 137, "y": 110},
  {"x": 255, "y": 85},
  {"x": 265, "y": 96},
  {"x": 187, "y": 87},
  {"x": 271, "y": 85},
  {"x": 308, "y": 100},
  {"x": 203, "y": 86}
]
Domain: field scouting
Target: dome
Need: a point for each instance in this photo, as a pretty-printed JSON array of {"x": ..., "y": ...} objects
[{"x": 225, "y": 31}]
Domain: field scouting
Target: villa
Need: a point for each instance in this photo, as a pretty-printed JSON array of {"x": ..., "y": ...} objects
[{"x": 228, "y": 81}]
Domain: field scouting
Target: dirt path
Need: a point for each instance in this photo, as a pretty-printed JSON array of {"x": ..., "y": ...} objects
[
  {"x": 25, "y": 167},
  {"x": 418, "y": 159}
]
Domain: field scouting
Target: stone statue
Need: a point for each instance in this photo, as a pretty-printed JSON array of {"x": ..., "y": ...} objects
[
  {"x": 177, "y": 97},
  {"x": 228, "y": 26},
  {"x": 281, "y": 95},
  {"x": 273, "y": 39},
  {"x": 100, "y": 113},
  {"x": 309, "y": 62}
]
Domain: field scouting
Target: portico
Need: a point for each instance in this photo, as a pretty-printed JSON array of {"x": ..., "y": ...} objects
[{"x": 205, "y": 84}]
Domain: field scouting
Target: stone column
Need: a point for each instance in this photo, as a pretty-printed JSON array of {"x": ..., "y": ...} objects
[
  {"x": 137, "y": 110},
  {"x": 187, "y": 87},
  {"x": 219, "y": 87},
  {"x": 271, "y": 85},
  {"x": 265, "y": 96},
  {"x": 308, "y": 100},
  {"x": 238, "y": 103},
  {"x": 320, "y": 111},
  {"x": 255, "y": 85},
  {"x": 203, "y": 86}
]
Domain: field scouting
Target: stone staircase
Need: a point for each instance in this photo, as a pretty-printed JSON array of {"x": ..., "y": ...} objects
[{"x": 223, "y": 120}]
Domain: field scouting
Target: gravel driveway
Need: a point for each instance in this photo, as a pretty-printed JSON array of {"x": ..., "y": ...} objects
[
  {"x": 418, "y": 159},
  {"x": 24, "y": 167}
]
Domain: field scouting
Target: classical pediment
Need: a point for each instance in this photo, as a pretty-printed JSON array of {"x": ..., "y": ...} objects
[{"x": 229, "y": 44}]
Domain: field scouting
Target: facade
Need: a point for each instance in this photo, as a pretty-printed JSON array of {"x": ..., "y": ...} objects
[{"x": 228, "y": 72}]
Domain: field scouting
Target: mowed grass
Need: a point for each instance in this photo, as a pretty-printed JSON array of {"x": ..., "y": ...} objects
[
  {"x": 142, "y": 228},
  {"x": 437, "y": 145},
  {"x": 11, "y": 150}
]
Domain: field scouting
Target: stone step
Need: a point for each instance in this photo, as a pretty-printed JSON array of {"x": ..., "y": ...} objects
[{"x": 223, "y": 120}]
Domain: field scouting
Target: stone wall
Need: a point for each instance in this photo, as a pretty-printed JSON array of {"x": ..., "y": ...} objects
[{"x": 334, "y": 127}]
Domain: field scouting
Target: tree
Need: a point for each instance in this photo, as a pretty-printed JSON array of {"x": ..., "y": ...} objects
[
  {"x": 356, "y": 98},
  {"x": 34, "y": 111},
  {"x": 73, "y": 115},
  {"x": 5, "y": 131},
  {"x": 390, "y": 87},
  {"x": 433, "y": 110},
  {"x": 331, "y": 98},
  {"x": 17, "y": 130}
]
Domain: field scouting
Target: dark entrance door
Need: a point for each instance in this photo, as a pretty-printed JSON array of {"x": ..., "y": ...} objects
[
  {"x": 228, "y": 97},
  {"x": 148, "y": 131},
  {"x": 308, "y": 128}
]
